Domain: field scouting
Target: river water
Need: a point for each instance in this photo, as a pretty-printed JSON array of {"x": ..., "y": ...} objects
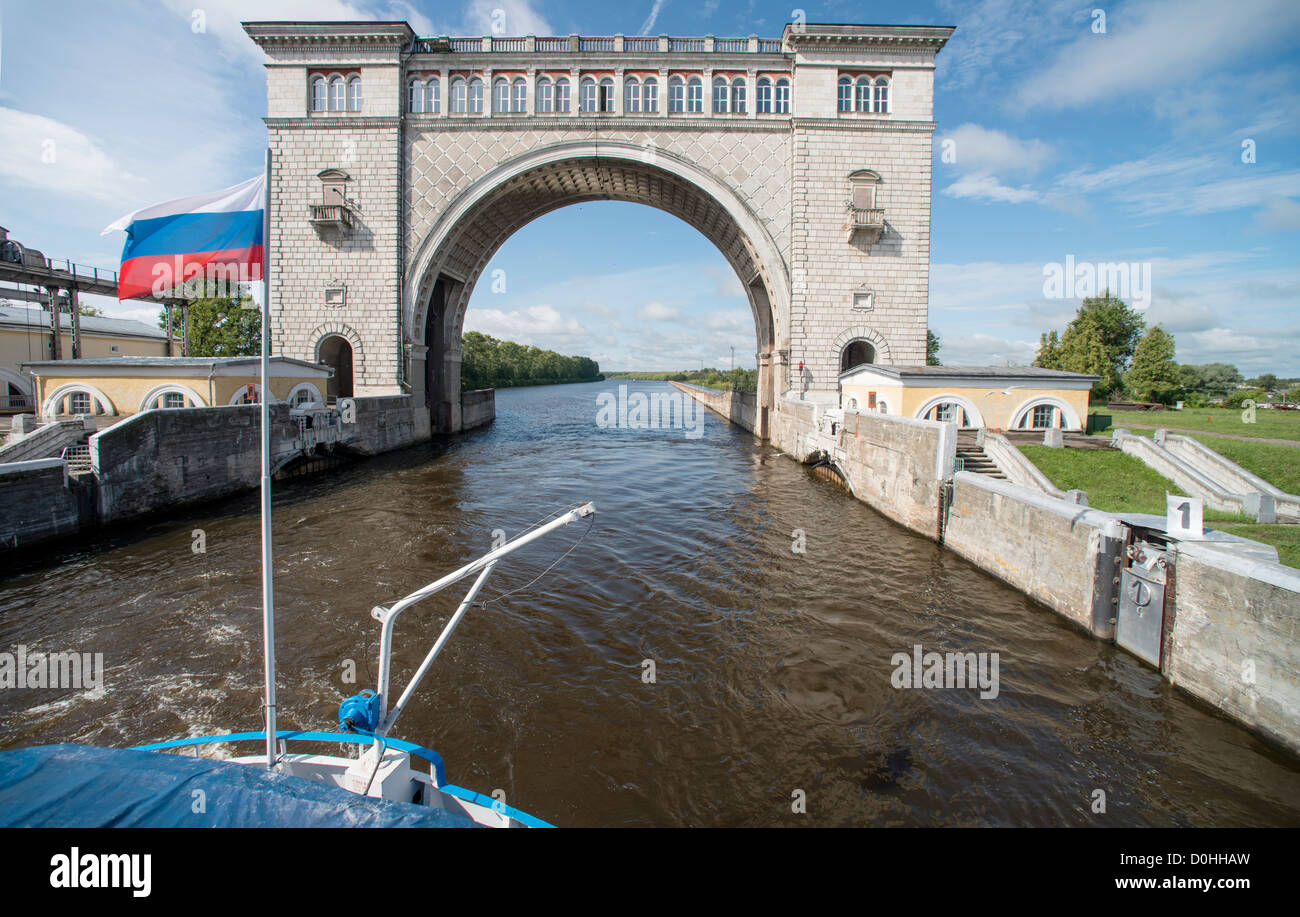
[{"x": 771, "y": 669}]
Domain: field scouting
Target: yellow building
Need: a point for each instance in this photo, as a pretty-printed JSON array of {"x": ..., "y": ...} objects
[
  {"x": 26, "y": 337},
  {"x": 118, "y": 386},
  {"x": 994, "y": 397}
]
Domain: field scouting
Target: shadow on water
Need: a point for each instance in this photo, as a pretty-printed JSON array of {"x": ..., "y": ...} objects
[{"x": 771, "y": 668}]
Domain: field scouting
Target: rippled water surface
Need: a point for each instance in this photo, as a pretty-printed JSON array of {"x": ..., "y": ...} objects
[{"x": 772, "y": 668}]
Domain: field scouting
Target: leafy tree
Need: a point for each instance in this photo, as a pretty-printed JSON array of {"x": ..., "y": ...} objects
[
  {"x": 932, "y": 343},
  {"x": 489, "y": 363},
  {"x": 1155, "y": 375},
  {"x": 1099, "y": 341},
  {"x": 1268, "y": 382},
  {"x": 220, "y": 326}
]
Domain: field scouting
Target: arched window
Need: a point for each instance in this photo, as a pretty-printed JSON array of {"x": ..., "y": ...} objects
[
  {"x": 562, "y": 95},
  {"x": 949, "y": 412},
  {"x": 545, "y": 95},
  {"x": 632, "y": 94},
  {"x": 249, "y": 393},
  {"x": 738, "y": 95},
  {"x": 433, "y": 96},
  {"x": 519, "y": 95},
  {"x": 171, "y": 395},
  {"x": 845, "y": 94},
  {"x": 607, "y": 94},
  {"x": 459, "y": 96},
  {"x": 415, "y": 97},
  {"x": 763, "y": 98},
  {"x": 882, "y": 95},
  {"x": 650, "y": 94},
  {"x": 354, "y": 94},
  {"x": 783, "y": 97},
  {"x": 1039, "y": 417},
  {"x": 695, "y": 95},
  {"x": 586, "y": 95},
  {"x": 676, "y": 95},
  {"x": 862, "y": 95},
  {"x": 317, "y": 95},
  {"x": 856, "y": 353},
  {"x": 305, "y": 393},
  {"x": 476, "y": 96},
  {"x": 337, "y": 91},
  {"x": 500, "y": 95},
  {"x": 76, "y": 399},
  {"x": 721, "y": 95}
]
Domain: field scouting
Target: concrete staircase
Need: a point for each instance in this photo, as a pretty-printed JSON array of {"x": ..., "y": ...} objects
[{"x": 973, "y": 457}]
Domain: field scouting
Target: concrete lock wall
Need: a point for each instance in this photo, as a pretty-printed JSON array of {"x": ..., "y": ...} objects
[
  {"x": 478, "y": 408},
  {"x": 1055, "y": 551},
  {"x": 39, "y": 501},
  {"x": 1234, "y": 639},
  {"x": 741, "y": 408},
  {"x": 896, "y": 465},
  {"x": 386, "y": 422}
]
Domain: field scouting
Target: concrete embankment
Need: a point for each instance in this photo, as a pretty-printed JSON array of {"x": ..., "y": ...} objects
[
  {"x": 741, "y": 408},
  {"x": 161, "y": 459},
  {"x": 1229, "y": 631}
]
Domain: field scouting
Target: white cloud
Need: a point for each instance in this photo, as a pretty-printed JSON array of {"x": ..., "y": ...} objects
[
  {"x": 658, "y": 312},
  {"x": 516, "y": 17},
  {"x": 1150, "y": 46},
  {"x": 981, "y": 149},
  {"x": 984, "y": 187},
  {"x": 650, "y": 19},
  {"x": 1281, "y": 214},
  {"x": 527, "y": 326},
  {"x": 41, "y": 153}
]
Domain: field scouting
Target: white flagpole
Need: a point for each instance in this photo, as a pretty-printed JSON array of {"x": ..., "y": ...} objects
[{"x": 268, "y": 590}]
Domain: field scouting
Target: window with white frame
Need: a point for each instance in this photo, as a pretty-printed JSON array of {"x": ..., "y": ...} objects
[
  {"x": 695, "y": 95},
  {"x": 632, "y": 94},
  {"x": 519, "y": 95},
  {"x": 545, "y": 95},
  {"x": 432, "y": 95},
  {"x": 607, "y": 94},
  {"x": 500, "y": 95},
  {"x": 845, "y": 97},
  {"x": 676, "y": 95},
  {"x": 354, "y": 94},
  {"x": 881, "y": 95},
  {"x": 587, "y": 94},
  {"x": 783, "y": 97},
  {"x": 738, "y": 89},
  {"x": 476, "y": 96},
  {"x": 862, "y": 94},
  {"x": 318, "y": 94},
  {"x": 337, "y": 94},
  {"x": 459, "y": 96},
  {"x": 173, "y": 400},
  {"x": 562, "y": 95},
  {"x": 79, "y": 403},
  {"x": 763, "y": 96},
  {"x": 415, "y": 97},
  {"x": 650, "y": 95},
  {"x": 721, "y": 95}
]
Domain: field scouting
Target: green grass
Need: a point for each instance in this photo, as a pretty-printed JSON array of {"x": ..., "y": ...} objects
[
  {"x": 1274, "y": 462},
  {"x": 1268, "y": 424},
  {"x": 1119, "y": 483}
]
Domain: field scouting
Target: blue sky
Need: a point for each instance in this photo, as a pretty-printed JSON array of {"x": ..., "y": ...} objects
[{"x": 1117, "y": 146}]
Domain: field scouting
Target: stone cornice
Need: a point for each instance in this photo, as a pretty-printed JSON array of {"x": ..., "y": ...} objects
[
  {"x": 330, "y": 121},
  {"x": 351, "y": 36},
  {"x": 934, "y": 37},
  {"x": 865, "y": 123}
]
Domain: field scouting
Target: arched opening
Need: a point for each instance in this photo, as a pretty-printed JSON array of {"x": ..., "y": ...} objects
[
  {"x": 856, "y": 353},
  {"x": 452, "y": 258},
  {"x": 336, "y": 353}
]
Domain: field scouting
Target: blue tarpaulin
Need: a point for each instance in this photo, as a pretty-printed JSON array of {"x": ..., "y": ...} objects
[{"x": 79, "y": 786}]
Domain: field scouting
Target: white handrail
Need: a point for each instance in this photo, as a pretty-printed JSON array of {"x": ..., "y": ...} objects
[{"x": 387, "y": 616}]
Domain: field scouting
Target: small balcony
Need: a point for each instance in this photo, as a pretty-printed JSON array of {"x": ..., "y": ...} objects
[
  {"x": 866, "y": 223},
  {"x": 336, "y": 217}
]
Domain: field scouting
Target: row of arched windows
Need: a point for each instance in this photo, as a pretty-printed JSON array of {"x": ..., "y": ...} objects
[
  {"x": 685, "y": 95},
  {"x": 864, "y": 94},
  {"x": 335, "y": 93}
]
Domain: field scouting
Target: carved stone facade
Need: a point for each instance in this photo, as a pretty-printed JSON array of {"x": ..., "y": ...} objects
[{"x": 394, "y": 182}]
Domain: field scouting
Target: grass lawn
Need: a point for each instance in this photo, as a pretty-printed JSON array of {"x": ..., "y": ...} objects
[
  {"x": 1268, "y": 424},
  {"x": 1274, "y": 462},
  {"x": 1119, "y": 483}
]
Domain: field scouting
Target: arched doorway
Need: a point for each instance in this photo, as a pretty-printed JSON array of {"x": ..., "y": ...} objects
[
  {"x": 336, "y": 353},
  {"x": 454, "y": 253},
  {"x": 856, "y": 353}
]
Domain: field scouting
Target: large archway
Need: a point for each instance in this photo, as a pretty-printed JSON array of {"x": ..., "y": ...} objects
[{"x": 450, "y": 260}]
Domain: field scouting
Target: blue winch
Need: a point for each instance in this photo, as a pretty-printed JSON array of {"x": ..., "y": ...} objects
[{"x": 360, "y": 712}]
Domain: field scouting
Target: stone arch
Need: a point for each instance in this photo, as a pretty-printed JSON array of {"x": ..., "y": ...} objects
[
  {"x": 867, "y": 334},
  {"x": 972, "y": 413},
  {"x": 1070, "y": 419},
  {"x": 196, "y": 400},
  {"x": 19, "y": 381},
  {"x": 100, "y": 402},
  {"x": 448, "y": 262}
]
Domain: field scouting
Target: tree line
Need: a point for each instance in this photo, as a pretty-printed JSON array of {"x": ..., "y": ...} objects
[
  {"x": 736, "y": 380},
  {"x": 1109, "y": 340},
  {"x": 490, "y": 363}
]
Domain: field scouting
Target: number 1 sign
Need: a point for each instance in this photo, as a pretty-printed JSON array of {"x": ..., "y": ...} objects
[{"x": 1184, "y": 516}]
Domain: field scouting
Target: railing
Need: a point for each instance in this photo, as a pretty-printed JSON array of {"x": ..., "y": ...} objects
[
  {"x": 872, "y": 216},
  {"x": 78, "y": 459},
  {"x": 637, "y": 44},
  {"x": 333, "y": 214}
]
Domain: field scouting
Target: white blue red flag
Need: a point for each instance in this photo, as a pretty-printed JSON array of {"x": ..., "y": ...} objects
[{"x": 214, "y": 235}]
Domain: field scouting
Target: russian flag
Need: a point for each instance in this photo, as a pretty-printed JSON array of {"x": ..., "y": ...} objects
[{"x": 170, "y": 243}]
